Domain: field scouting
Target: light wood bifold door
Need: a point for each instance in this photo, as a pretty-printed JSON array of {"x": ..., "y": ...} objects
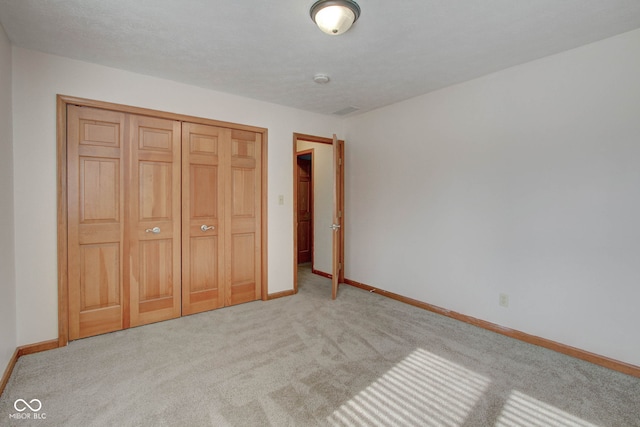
[
  {"x": 221, "y": 248},
  {"x": 164, "y": 219},
  {"x": 243, "y": 218},
  {"x": 154, "y": 219},
  {"x": 96, "y": 155},
  {"x": 204, "y": 154}
]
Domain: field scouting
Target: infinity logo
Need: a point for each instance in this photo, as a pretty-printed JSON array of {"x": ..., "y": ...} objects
[{"x": 26, "y": 405}]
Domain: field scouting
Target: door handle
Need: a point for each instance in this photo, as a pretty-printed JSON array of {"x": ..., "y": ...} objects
[
  {"x": 334, "y": 227},
  {"x": 154, "y": 230},
  {"x": 205, "y": 227}
]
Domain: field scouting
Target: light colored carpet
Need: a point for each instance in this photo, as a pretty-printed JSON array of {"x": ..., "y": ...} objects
[{"x": 362, "y": 360}]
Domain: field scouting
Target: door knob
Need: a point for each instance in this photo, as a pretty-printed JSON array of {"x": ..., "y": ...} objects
[
  {"x": 205, "y": 227},
  {"x": 334, "y": 227},
  {"x": 154, "y": 230}
]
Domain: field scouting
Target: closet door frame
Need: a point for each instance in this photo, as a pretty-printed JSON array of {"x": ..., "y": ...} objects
[{"x": 61, "y": 159}]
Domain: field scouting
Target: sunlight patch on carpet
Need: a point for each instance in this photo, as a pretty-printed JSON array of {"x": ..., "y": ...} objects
[
  {"x": 522, "y": 410},
  {"x": 423, "y": 389}
]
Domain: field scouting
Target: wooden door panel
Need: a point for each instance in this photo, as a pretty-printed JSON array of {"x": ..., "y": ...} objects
[
  {"x": 244, "y": 145},
  {"x": 305, "y": 210},
  {"x": 243, "y": 268},
  {"x": 99, "y": 190},
  {"x": 203, "y": 275},
  {"x": 102, "y": 321},
  {"x": 204, "y": 183},
  {"x": 95, "y": 210},
  {"x": 155, "y": 184},
  {"x": 304, "y": 243},
  {"x": 202, "y": 191},
  {"x": 99, "y": 276},
  {"x": 155, "y": 269},
  {"x": 205, "y": 144},
  {"x": 100, "y": 289},
  {"x": 243, "y": 191},
  {"x": 154, "y": 139},
  {"x": 98, "y": 130},
  {"x": 303, "y": 201},
  {"x": 156, "y": 275}
]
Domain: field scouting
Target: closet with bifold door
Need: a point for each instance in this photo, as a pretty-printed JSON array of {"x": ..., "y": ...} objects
[{"x": 164, "y": 218}]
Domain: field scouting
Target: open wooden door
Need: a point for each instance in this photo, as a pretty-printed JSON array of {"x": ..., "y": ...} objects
[
  {"x": 337, "y": 274},
  {"x": 330, "y": 211}
]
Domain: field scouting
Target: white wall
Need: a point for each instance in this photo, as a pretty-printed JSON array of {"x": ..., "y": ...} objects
[
  {"x": 8, "y": 340},
  {"x": 38, "y": 78},
  {"x": 524, "y": 182},
  {"x": 323, "y": 177}
]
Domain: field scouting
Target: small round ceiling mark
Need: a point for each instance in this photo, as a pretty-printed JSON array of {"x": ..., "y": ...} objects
[{"x": 321, "y": 79}]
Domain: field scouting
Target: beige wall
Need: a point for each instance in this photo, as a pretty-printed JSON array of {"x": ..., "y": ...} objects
[
  {"x": 524, "y": 182},
  {"x": 7, "y": 268},
  {"x": 38, "y": 78}
]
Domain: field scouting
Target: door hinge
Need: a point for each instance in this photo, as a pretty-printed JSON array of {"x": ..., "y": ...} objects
[
  {"x": 339, "y": 214},
  {"x": 339, "y": 266},
  {"x": 339, "y": 162}
]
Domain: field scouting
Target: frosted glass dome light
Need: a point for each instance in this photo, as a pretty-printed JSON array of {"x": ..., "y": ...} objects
[{"x": 335, "y": 17}]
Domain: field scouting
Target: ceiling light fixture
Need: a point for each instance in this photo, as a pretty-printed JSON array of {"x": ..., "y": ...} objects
[{"x": 335, "y": 17}]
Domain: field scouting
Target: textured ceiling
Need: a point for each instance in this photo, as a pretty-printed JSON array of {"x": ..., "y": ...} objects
[{"x": 270, "y": 50}]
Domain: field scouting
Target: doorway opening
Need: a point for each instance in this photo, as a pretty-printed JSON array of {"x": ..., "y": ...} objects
[
  {"x": 305, "y": 206},
  {"x": 318, "y": 178}
]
